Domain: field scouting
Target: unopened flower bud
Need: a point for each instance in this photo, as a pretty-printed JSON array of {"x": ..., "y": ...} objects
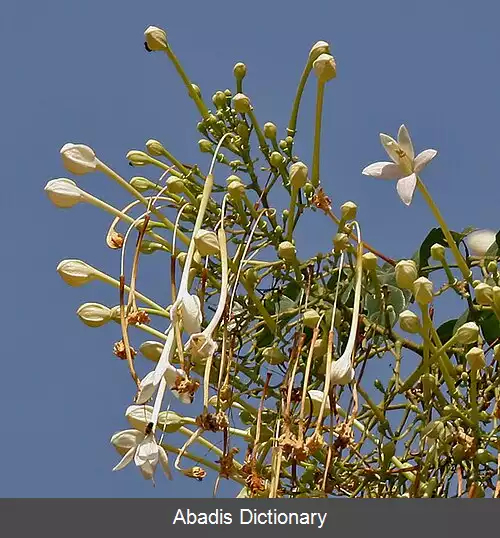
[
  {"x": 156, "y": 38},
  {"x": 369, "y": 261},
  {"x": 348, "y": 210},
  {"x": 422, "y": 290},
  {"x": 308, "y": 190},
  {"x": 287, "y": 251},
  {"x": 251, "y": 277},
  {"x": 239, "y": 71},
  {"x": 289, "y": 140},
  {"x": 138, "y": 158},
  {"x": 409, "y": 322},
  {"x": 196, "y": 90},
  {"x": 324, "y": 67},
  {"x": 273, "y": 355},
  {"x": 149, "y": 247},
  {"x": 175, "y": 185},
  {"x": 438, "y": 252},
  {"x": 155, "y": 148},
  {"x": 276, "y": 159},
  {"x": 467, "y": 333},
  {"x": 78, "y": 158},
  {"x": 151, "y": 350},
  {"x": 311, "y": 318},
  {"x": 219, "y": 99},
  {"x": 205, "y": 145},
  {"x": 480, "y": 241},
  {"x": 75, "y": 272},
  {"x": 270, "y": 130},
  {"x": 94, "y": 314},
  {"x": 320, "y": 47},
  {"x": 141, "y": 184},
  {"x": 496, "y": 352},
  {"x": 170, "y": 422},
  {"x": 206, "y": 243},
  {"x": 475, "y": 358},
  {"x": 406, "y": 273},
  {"x": 63, "y": 192},
  {"x": 484, "y": 294},
  {"x": 298, "y": 175},
  {"x": 241, "y": 103},
  {"x": 492, "y": 267},
  {"x": 243, "y": 130},
  {"x": 236, "y": 189},
  {"x": 340, "y": 242}
]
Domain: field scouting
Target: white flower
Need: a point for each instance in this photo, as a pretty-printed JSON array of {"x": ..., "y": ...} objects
[
  {"x": 63, "y": 192},
  {"x": 143, "y": 449},
  {"x": 188, "y": 308},
  {"x": 78, "y": 158},
  {"x": 315, "y": 398},
  {"x": 480, "y": 241},
  {"x": 405, "y": 165}
]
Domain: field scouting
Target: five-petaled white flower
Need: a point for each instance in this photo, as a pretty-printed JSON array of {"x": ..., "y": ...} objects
[
  {"x": 143, "y": 450},
  {"x": 405, "y": 165}
]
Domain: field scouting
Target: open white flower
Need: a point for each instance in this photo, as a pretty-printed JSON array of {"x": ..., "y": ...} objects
[
  {"x": 188, "y": 308},
  {"x": 143, "y": 450},
  {"x": 480, "y": 241},
  {"x": 405, "y": 165}
]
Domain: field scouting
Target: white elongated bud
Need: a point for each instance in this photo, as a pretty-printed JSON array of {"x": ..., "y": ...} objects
[
  {"x": 438, "y": 252},
  {"x": 63, "y": 192},
  {"x": 151, "y": 350},
  {"x": 139, "y": 416},
  {"x": 156, "y": 38},
  {"x": 369, "y": 261},
  {"x": 480, "y": 241},
  {"x": 409, "y": 322},
  {"x": 316, "y": 398},
  {"x": 286, "y": 251},
  {"x": 475, "y": 358},
  {"x": 320, "y": 47},
  {"x": 273, "y": 355},
  {"x": 94, "y": 314},
  {"x": 484, "y": 294},
  {"x": 78, "y": 158},
  {"x": 422, "y": 290},
  {"x": 75, "y": 272},
  {"x": 311, "y": 318},
  {"x": 406, "y": 273},
  {"x": 241, "y": 103},
  {"x": 325, "y": 67},
  {"x": 138, "y": 158},
  {"x": 348, "y": 210},
  {"x": 206, "y": 242},
  {"x": 298, "y": 175},
  {"x": 467, "y": 333}
]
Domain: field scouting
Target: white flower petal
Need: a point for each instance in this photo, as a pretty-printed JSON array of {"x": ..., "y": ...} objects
[
  {"x": 423, "y": 159},
  {"x": 139, "y": 416},
  {"x": 391, "y": 147},
  {"x": 165, "y": 356},
  {"x": 129, "y": 456},
  {"x": 164, "y": 462},
  {"x": 404, "y": 140},
  {"x": 191, "y": 313},
  {"x": 406, "y": 187},
  {"x": 316, "y": 397},
  {"x": 383, "y": 170},
  {"x": 147, "y": 470},
  {"x": 126, "y": 439},
  {"x": 183, "y": 397},
  {"x": 480, "y": 241},
  {"x": 147, "y": 451},
  {"x": 147, "y": 388}
]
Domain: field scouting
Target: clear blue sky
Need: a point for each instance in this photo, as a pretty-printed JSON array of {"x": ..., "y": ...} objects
[{"x": 78, "y": 72}]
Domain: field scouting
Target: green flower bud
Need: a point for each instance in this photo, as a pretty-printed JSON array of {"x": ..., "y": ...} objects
[
  {"x": 492, "y": 267},
  {"x": 196, "y": 90},
  {"x": 205, "y": 146},
  {"x": 289, "y": 140},
  {"x": 438, "y": 252},
  {"x": 308, "y": 190},
  {"x": 370, "y": 261},
  {"x": 340, "y": 242},
  {"x": 311, "y": 318},
  {"x": 155, "y": 148},
  {"x": 484, "y": 457},
  {"x": 243, "y": 130},
  {"x": 138, "y": 158},
  {"x": 273, "y": 355},
  {"x": 241, "y": 103},
  {"x": 287, "y": 251},
  {"x": 219, "y": 99},
  {"x": 94, "y": 314},
  {"x": 283, "y": 144},
  {"x": 76, "y": 273},
  {"x": 475, "y": 358},
  {"x": 467, "y": 333},
  {"x": 458, "y": 453},
  {"x": 63, "y": 192},
  {"x": 422, "y": 290},
  {"x": 206, "y": 243},
  {"x": 239, "y": 71},
  {"x": 484, "y": 294},
  {"x": 202, "y": 128},
  {"x": 325, "y": 67},
  {"x": 156, "y": 38},
  {"x": 348, "y": 211},
  {"x": 151, "y": 350},
  {"x": 278, "y": 230},
  {"x": 228, "y": 92},
  {"x": 236, "y": 189},
  {"x": 270, "y": 130},
  {"x": 285, "y": 214},
  {"x": 409, "y": 322},
  {"x": 149, "y": 247},
  {"x": 320, "y": 47},
  {"x": 170, "y": 422},
  {"x": 78, "y": 158},
  {"x": 298, "y": 175},
  {"x": 175, "y": 184},
  {"x": 406, "y": 273},
  {"x": 276, "y": 159},
  {"x": 251, "y": 277},
  {"x": 141, "y": 184}
]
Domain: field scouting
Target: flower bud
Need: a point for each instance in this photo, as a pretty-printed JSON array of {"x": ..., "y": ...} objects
[
  {"x": 370, "y": 261},
  {"x": 287, "y": 252},
  {"x": 139, "y": 416},
  {"x": 316, "y": 398},
  {"x": 196, "y": 90},
  {"x": 467, "y": 333},
  {"x": 406, "y": 273},
  {"x": 320, "y": 47},
  {"x": 340, "y": 242},
  {"x": 492, "y": 267},
  {"x": 276, "y": 159},
  {"x": 219, "y": 99},
  {"x": 475, "y": 358},
  {"x": 170, "y": 422},
  {"x": 78, "y": 158},
  {"x": 151, "y": 350},
  {"x": 283, "y": 144},
  {"x": 298, "y": 175},
  {"x": 141, "y": 184},
  {"x": 496, "y": 352},
  {"x": 243, "y": 130},
  {"x": 348, "y": 211},
  {"x": 94, "y": 314},
  {"x": 205, "y": 146},
  {"x": 206, "y": 242},
  {"x": 175, "y": 184},
  {"x": 63, "y": 192},
  {"x": 273, "y": 355},
  {"x": 308, "y": 190},
  {"x": 480, "y": 241},
  {"x": 422, "y": 290},
  {"x": 270, "y": 130},
  {"x": 409, "y": 322},
  {"x": 241, "y": 103},
  {"x": 438, "y": 252},
  {"x": 148, "y": 247},
  {"x": 156, "y": 38},
  {"x": 138, "y": 158},
  {"x": 320, "y": 348},
  {"x": 311, "y": 318},
  {"x": 324, "y": 67},
  {"x": 236, "y": 189},
  {"x": 75, "y": 272},
  {"x": 155, "y": 148},
  {"x": 239, "y": 71},
  {"x": 484, "y": 294}
]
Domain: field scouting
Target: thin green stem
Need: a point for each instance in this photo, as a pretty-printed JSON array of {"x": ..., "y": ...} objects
[{"x": 317, "y": 133}]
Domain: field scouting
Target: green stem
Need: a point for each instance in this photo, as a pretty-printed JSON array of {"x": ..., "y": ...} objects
[
  {"x": 291, "y": 214},
  {"x": 292, "y": 124},
  {"x": 317, "y": 133}
]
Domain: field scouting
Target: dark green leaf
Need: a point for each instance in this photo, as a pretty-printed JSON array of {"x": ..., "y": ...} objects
[
  {"x": 490, "y": 326},
  {"x": 446, "y": 330}
]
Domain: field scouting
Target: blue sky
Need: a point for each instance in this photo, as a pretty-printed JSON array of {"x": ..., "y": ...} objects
[{"x": 78, "y": 72}]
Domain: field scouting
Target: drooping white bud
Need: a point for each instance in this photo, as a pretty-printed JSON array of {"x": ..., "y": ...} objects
[
  {"x": 298, "y": 175},
  {"x": 325, "y": 67},
  {"x": 156, "y": 38},
  {"x": 409, "y": 322},
  {"x": 78, "y": 158},
  {"x": 467, "y": 333},
  {"x": 206, "y": 243}
]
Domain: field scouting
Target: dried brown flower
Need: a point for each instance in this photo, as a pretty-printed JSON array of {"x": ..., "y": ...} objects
[{"x": 120, "y": 352}]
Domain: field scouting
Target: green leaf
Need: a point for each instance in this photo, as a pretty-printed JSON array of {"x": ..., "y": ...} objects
[
  {"x": 446, "y": 330},
  {"x": 493, "y": 251},
  {"x": 436, "y": 236},
  {"x": 490, "y": 326},
  {"x": 397, "y": 300},
  {"x": 464, "y": 318}
]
